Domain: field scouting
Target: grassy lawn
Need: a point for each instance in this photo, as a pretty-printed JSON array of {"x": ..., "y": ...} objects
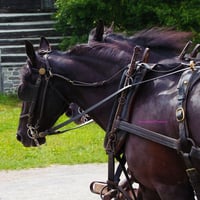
[{"x": 84, "y": 145}]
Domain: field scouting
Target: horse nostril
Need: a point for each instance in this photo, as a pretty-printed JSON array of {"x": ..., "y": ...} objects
[{"x": 18, "y": 137}]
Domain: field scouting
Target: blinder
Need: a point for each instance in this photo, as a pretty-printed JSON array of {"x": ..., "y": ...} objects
[{"x": 27, "y": 92}]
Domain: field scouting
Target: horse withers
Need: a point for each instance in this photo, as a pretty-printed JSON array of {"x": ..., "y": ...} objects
[{"x": 51, "y": 81}]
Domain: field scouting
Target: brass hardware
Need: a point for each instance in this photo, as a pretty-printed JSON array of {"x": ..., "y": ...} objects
[
  {"x": 180, "y": 114},
  {"x": 42, "y": 71},
  {"x": 192, "y": 65}
]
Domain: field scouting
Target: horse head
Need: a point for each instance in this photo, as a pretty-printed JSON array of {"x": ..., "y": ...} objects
[
  {"x": 52, "y": 80},
  {"x": 39, "y": 94},
  {"x": 98, "y": 33}
]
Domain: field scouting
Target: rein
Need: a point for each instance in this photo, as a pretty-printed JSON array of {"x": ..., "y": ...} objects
[
  {"x": 55, "y": 130},
  {"x": 172, "y": 143},
  {"x": 48, "y": 74}
]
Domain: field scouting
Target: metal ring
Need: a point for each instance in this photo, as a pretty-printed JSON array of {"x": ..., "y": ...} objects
[{"x": 180, "y": 114}]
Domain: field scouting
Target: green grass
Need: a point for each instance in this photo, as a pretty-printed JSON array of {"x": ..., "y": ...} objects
[{"x": 84, "y": 145}]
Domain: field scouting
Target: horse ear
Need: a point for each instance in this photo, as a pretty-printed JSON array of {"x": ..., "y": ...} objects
[
  {"x": 110, "y": 29},
  {"x": 99, "y": 31},
  {"x": 44, "y": 44},
  {"x": 30, "y": 52}
]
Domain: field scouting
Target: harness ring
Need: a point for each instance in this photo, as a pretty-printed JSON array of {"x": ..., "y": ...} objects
[{"x": 180, "y": 114}]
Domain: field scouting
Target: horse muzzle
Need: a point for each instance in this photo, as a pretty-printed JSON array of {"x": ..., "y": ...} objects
[{"x": 29, "y": 142}]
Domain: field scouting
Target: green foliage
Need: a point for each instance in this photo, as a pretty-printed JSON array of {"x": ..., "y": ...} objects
[
  {"x": 84, "y": 145},
  {"x": 128, "y": 15}
]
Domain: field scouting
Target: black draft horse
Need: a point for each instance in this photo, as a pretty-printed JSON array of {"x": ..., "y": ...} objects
[
  {"x": 164, "y": 43},
  {"x": 167, "y": 47},
  {"x": 86, "y": 74}
]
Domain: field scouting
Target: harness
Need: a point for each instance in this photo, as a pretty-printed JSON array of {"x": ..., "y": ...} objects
[
  {"x": 187, "y": 146},
  {"x": 133, "y": 77},
  {"x": 184, "y": 145}
]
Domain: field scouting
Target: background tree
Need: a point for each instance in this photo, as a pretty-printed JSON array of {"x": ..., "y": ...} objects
[{"x": 78, "y": 17}]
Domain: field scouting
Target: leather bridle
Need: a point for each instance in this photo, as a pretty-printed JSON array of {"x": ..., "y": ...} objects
[{"x": 44, "y": 76}]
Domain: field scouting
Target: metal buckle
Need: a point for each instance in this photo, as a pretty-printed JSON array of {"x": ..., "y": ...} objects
[{"x": 180, "y": 114}]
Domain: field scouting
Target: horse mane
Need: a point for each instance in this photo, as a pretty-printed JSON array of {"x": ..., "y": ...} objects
[
  {"x": 161, "y": 38},
  {"x": 101, "y": 51}
]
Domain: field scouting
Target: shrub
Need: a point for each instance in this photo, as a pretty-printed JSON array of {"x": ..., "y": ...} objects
[{"x": 77, "y": 17}]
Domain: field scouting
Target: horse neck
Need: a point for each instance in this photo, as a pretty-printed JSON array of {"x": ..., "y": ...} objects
[
  {"x": 121, "y": 42},
  {"x": 92, "y": 95},
  {"x": 159, "y": 48},
  {"x": 101, "y": 114},
  {"x": 92, "y": 71}
]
